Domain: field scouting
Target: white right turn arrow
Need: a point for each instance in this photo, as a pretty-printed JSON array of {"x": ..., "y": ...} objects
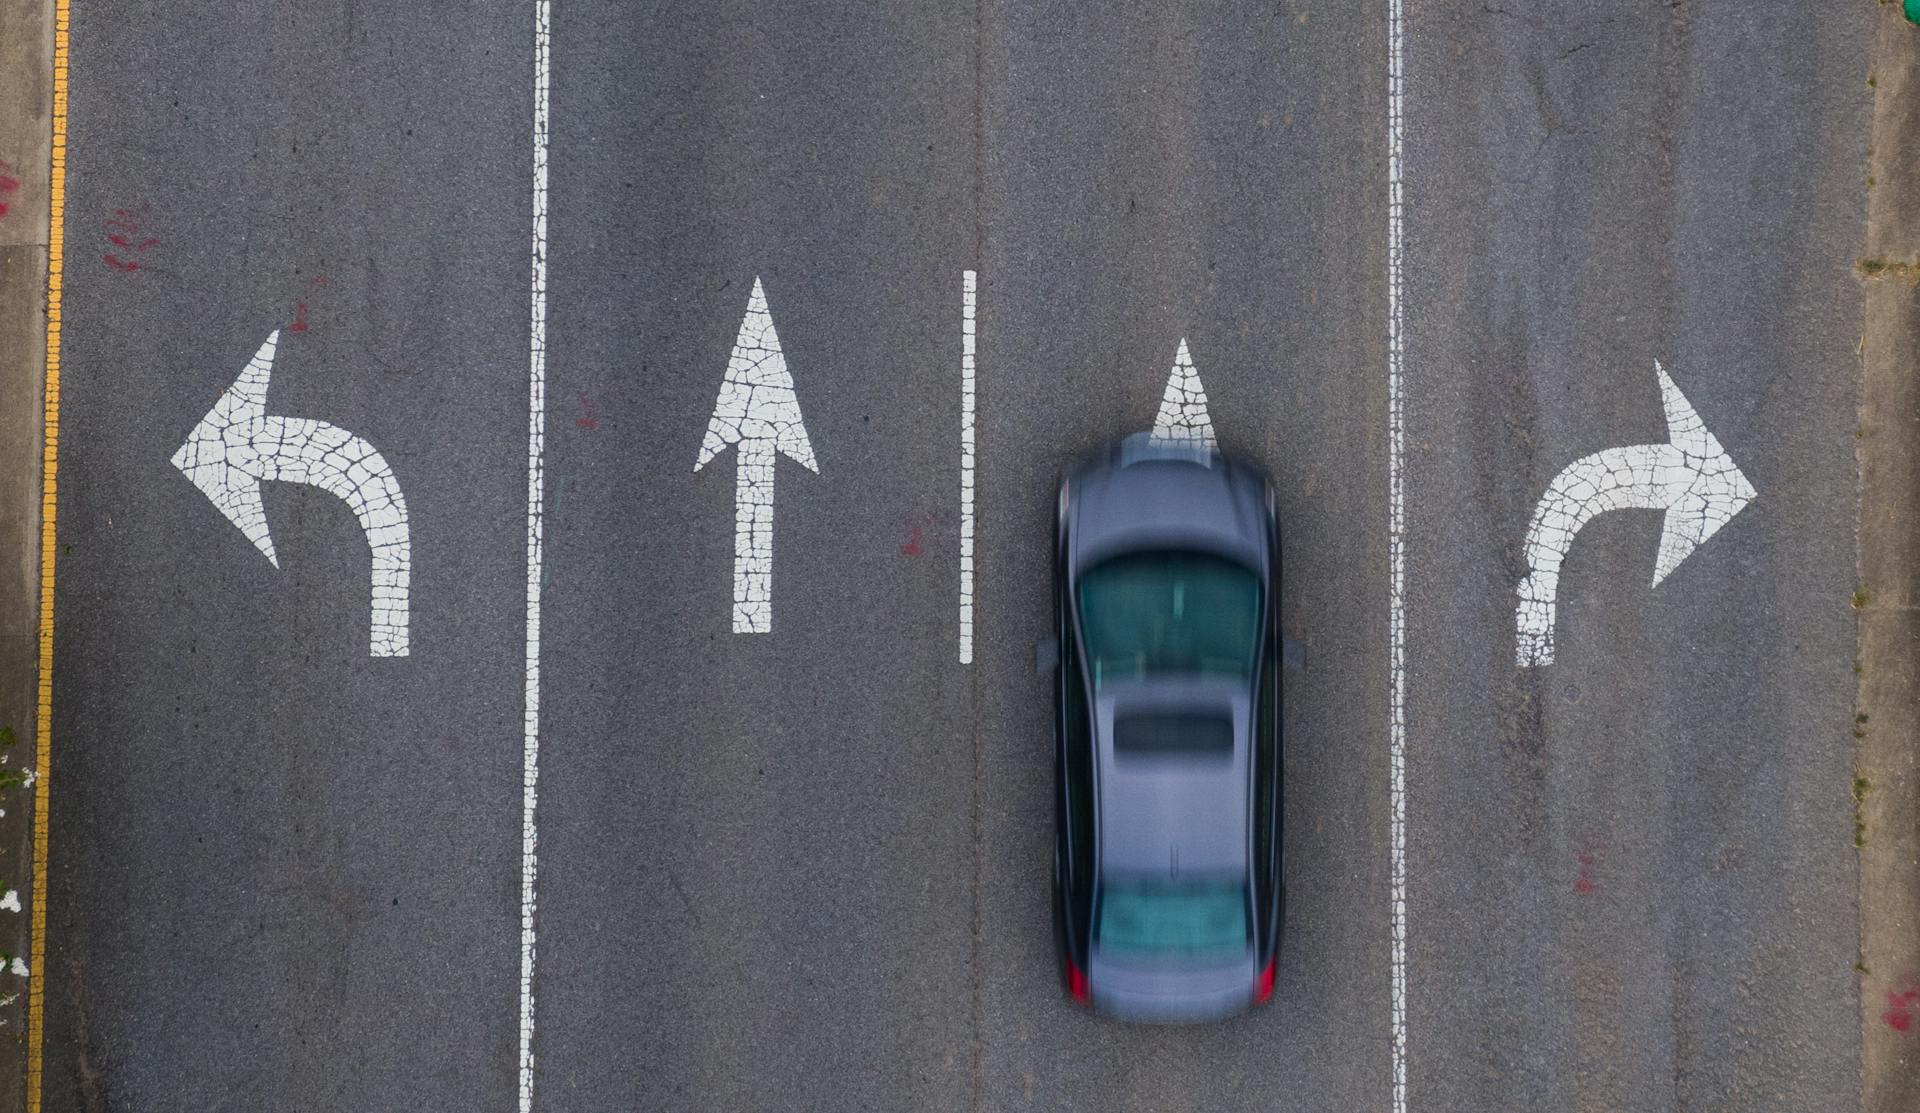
[{"x": 1691, "y": 478}]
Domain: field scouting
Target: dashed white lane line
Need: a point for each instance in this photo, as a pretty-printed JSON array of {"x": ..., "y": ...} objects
[
  {"x": 536, "y": 490},
  {"x": 1183, "y": 409},
  {"x": 1396, "y": 552},
  {"x": 969, "y": 285}
]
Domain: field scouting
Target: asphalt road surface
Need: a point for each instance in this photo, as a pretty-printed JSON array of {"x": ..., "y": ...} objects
[{"x": 807, "y": 868}]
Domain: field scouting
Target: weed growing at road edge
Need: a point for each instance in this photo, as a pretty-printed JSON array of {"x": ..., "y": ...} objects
[
  {"x": 1861, "y": 786},
  {"x": 1859, "y": 600},
  {"x": 1883, "y": 268}
]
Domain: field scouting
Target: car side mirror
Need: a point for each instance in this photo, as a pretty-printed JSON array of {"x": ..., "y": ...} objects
[{"x": 1046, "y": 655}]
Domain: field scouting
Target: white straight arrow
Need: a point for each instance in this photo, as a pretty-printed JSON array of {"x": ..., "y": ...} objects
[
  {"x": 1691, "y": 478},
  {"x": 758, "y": 411},
  {"x": 237, "y": 446},
  {"x": 1183, "y": 409}
]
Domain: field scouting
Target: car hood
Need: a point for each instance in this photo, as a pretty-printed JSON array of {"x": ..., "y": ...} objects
[{"x": 1144, "y": 494}]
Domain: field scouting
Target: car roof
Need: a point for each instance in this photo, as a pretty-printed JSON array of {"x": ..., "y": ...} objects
[{"x": 1166, "y": 815}]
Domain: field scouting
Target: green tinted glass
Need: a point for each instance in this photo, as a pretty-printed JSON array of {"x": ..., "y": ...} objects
[
  {"x": 1165, "y": 919},
  {"x": 1148, "y": 613}
]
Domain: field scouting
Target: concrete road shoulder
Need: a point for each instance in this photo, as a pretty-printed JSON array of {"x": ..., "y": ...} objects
[
  {"x": 26, "y": 88},
  {"x": 1886, "y": 788}
]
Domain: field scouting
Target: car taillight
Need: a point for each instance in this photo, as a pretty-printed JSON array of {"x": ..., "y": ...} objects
[
  {"x": 1077, "y": 984},
  {"x": 1263, "y": 986}
]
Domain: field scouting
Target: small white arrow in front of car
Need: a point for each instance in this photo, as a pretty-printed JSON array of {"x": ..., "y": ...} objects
[{"x": 1183, "y": 409}]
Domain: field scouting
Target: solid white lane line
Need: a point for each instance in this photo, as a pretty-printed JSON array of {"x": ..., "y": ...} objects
[
  {"x": 536, "y": 490},
  {"x": 969, "y": 283},
  {"x": 1396, "y": 552}
]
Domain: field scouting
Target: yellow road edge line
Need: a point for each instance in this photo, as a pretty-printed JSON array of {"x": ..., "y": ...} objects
[{"x": 49, "y": 505}]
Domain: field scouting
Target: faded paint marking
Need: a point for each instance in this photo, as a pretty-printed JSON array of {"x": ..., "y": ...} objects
[
  {"x": 1583, "y": 882},
  {"x": 1901, "y": 1009},
  {"x": 123, "y": 232}
]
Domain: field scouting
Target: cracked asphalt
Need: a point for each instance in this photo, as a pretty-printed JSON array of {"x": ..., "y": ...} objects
[{"x": 807, "y": 868}]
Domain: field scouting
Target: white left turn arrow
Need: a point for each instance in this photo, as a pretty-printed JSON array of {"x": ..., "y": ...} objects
[
  {"x": 238, "y": 445},
  {"x": 1690, "y": 477},
  {"x": 757, "y": 410}
]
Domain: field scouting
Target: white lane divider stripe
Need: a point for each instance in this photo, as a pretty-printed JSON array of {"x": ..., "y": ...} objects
[
  {"x": 1396, "y": 551},
  {"x": 536, "y": 487},
  {"x": 969, "y": 286}
]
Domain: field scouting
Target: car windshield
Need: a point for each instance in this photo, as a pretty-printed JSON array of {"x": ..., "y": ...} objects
[
  {"x": 1162, "y": 918},
  {"x": 1169, "y": 612}
]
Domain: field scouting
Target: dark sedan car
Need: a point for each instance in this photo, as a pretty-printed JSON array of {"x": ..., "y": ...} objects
[{"x": 1167, "y": 900}]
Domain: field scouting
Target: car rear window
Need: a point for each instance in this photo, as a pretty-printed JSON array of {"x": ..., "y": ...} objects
[
  {"x": 1183, "y": 735},
  {"x": 1173, "y": 919}
]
